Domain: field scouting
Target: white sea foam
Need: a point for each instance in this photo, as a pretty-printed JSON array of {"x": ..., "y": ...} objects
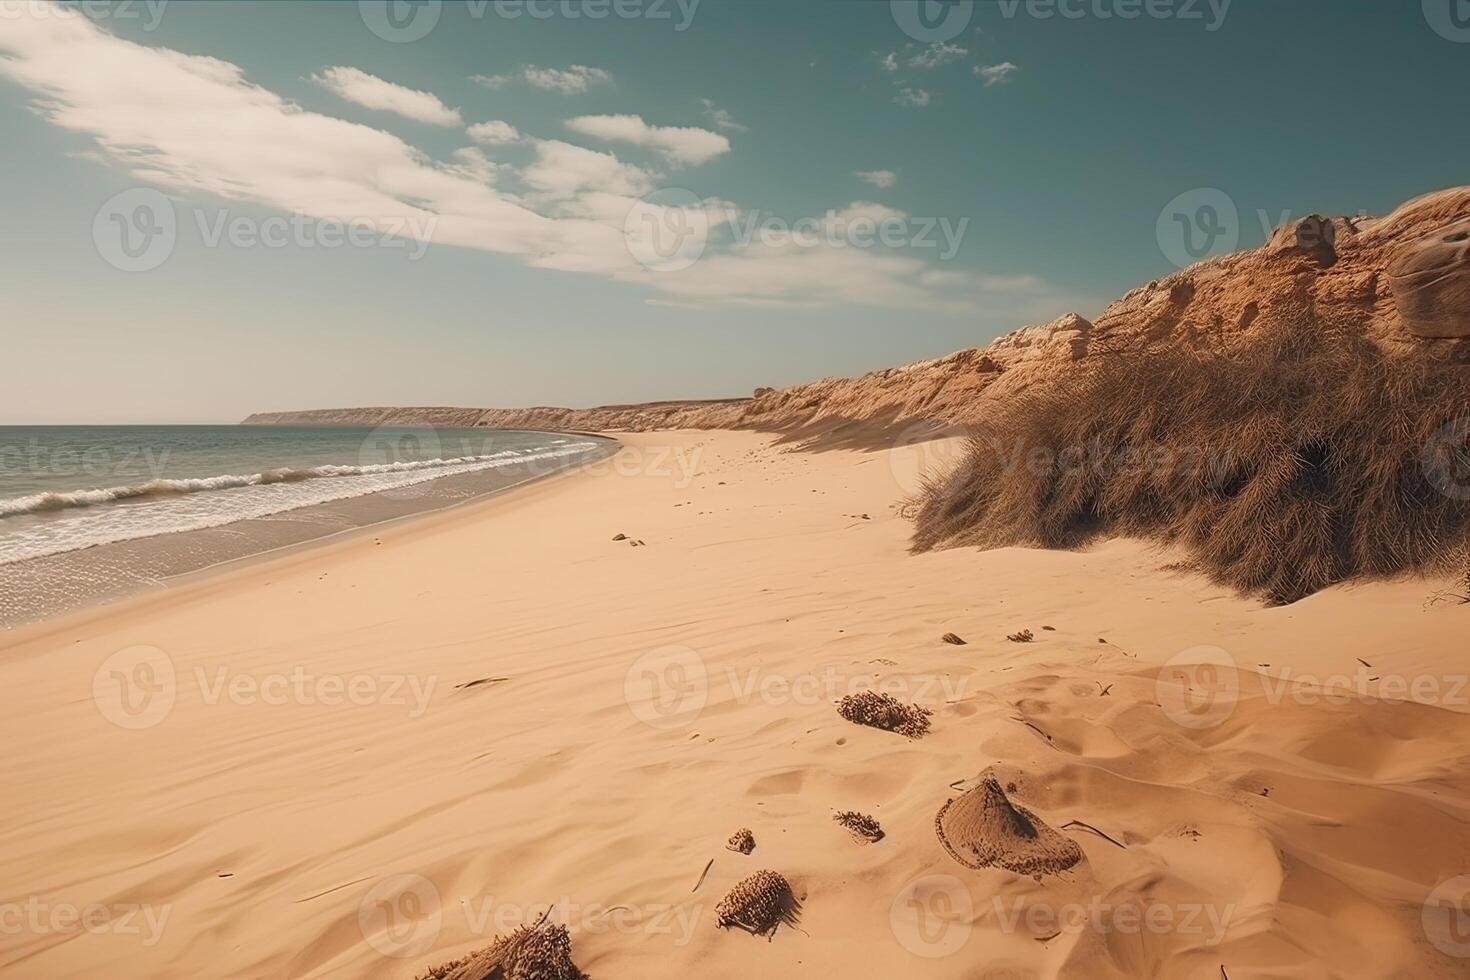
[
  {"x": 155, "y": 488},
  {"x": 84, "y": 520}
]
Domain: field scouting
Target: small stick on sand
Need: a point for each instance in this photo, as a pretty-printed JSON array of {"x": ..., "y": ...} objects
[
  {"x": 1088, "y": 826},
  {"x": 702, "y": 875},
  {"x": 1034, "y": 728}
]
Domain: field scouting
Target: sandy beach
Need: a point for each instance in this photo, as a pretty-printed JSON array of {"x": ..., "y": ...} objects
[{"x": 369, "y": 757}]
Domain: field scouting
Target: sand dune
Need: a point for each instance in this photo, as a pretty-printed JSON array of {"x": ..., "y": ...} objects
[{"x": 372, "y": 758}]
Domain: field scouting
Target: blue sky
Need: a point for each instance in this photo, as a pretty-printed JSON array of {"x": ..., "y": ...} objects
[{"x": 616, "y": 234}]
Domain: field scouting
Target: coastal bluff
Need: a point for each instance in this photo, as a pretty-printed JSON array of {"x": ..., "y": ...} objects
[{"x": 1340, "y": 276}]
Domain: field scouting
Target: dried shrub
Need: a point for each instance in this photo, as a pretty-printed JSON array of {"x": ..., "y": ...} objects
[
  {"x": 1297, "y": 461},
  {"x": 742, "y": 840},
  {"x": 886, "y": 712},
  {"x": 1025, "y": 636},
  {"x": 860, "y": 825},
  {"x": 539, "y": 952},
  {"x": 759, "y": 905}
]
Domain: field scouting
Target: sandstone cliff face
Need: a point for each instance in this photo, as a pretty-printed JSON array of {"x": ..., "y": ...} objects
[{"x": 1328, "y": 275}]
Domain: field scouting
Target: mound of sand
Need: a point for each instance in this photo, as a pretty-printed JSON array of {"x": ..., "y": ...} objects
[{"x": 984, "y": 829}]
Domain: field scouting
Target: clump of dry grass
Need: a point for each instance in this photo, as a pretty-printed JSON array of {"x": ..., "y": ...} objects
[
  {"x": 1024, "y": 636},
  {"x": 742, "y": 841},
  {"x": 539, "y": 952},
  {"x": 886, "y": 712},
  {"x": 759, "y": 905},
  {"x": 1299, "y": 461},
  {"x": 860, "y": 825}
]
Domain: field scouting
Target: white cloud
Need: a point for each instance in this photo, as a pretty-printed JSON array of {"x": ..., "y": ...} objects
[
  {"x": 878, "y": 178},
  {"x": 679, "y": 144},
  {"x": 472, "y": 163},
  {"x": 574, "y": 80},
  {"x": 198, "y": 128},
  {"x": 927, "y": 58},
  {"x": 722, "y": 118},
  {"x": 936, "y": 55},
  {"x": 568, "y": 81},
  {"x": 996, "y": 74},
  {"x": 494, "y": 132},
  {"x": 562, "y": 170},
  {"x": 915, "y": 98},
  {"x": 372, "y": 92}
]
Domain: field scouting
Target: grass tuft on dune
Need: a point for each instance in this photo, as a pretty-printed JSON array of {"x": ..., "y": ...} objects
[{"x": 1299, "y": 460}]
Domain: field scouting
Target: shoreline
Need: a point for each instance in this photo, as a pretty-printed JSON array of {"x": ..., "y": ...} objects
[
  {"x": 50, "y": 587},
  {"x": 528, "y": 685}
]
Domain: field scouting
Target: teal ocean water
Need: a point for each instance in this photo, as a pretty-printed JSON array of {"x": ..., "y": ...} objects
[{"x": 65, "y": 488}]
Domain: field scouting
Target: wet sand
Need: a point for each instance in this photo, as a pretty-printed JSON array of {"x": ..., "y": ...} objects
[{"x": 42, "y": 588}]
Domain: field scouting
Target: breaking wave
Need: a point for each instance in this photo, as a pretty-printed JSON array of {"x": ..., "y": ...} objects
[{"x": 54, "y": 501}]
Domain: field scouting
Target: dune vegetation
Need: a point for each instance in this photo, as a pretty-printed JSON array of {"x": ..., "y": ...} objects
[{"x": 1299, "y": 459}]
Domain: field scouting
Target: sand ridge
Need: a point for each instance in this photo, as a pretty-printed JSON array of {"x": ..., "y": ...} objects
[{"x": 648, "y": 700}]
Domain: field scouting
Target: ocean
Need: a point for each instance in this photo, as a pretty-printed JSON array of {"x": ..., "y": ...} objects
[{"x": 139, "y": 501}]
